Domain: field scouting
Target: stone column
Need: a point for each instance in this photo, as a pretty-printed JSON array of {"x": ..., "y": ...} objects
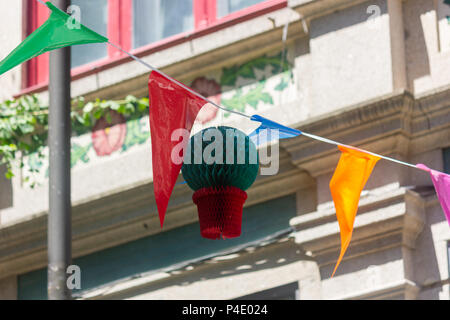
[{"x": 8, "y": 288}]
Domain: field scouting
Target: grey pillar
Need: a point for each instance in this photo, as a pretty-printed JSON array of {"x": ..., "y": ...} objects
[{"x": 59, "y": 218}]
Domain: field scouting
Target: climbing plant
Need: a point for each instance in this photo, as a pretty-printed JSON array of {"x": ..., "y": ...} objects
[
  {"x": 254, "y": 71},
  {"x": 24, "y": 123}
]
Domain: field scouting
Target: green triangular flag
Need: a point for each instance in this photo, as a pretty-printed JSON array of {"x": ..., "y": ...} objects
[{"x": 55, "y": 33}]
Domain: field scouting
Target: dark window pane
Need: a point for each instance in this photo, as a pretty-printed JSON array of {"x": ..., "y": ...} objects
[
  {"x": 154, "y": 20},
  {"x": 225, "y": 7},
  {"x": 448, "y": 256},
  {"x": 94, "y": 15},
  {"x": 447, "y": 160},
  {"x": 286, "y": 292},
  {"x": 167, "y": 250}
]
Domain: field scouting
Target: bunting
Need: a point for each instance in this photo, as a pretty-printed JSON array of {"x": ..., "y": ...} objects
[
  {"x": 441, "y": 182},
  {"x": 352, "y": 172},
  {"x": 55, "y": 33},
  {"x": 264, "y": 133},
  {"x": 172, "y": 107}
]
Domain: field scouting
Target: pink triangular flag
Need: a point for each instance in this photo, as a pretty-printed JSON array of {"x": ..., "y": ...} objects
[{"x": 441, "y": 183}]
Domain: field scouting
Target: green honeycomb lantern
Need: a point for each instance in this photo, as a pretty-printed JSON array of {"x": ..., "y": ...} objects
[{"x": 219, "y": 165}]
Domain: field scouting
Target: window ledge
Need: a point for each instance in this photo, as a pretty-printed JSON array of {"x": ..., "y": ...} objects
[
  {"x": 310, "y": 9},
  {"x": 168, "y": 43}
]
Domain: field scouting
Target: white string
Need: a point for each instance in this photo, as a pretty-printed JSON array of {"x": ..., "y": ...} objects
[
  {"x": 177, "y": 82},
  {"x": 169, "y": 78},
  {"x": 312, "y": 136}
]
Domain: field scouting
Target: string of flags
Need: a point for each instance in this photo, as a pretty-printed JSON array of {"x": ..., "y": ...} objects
[{"x": 175, "y": 106}]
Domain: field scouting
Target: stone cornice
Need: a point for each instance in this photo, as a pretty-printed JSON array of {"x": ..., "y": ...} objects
[
  {"x": 202, "y": 55},
  {"x": 437, "y": 98},
  {"x": 362, "y": 113},
  {"x": 117, "y": 289},
  {"x": 393, "y": 125},
  {"x": 130, "y": 214},
  {"x": 354, "y": 126},
  {"x": 386, "y": 218},
  {"x": 311, "y": 9},
  {"x": 405, "y": 288},
  {"x": 125, "y": 216},
  {"x": 431, "y": 120}
]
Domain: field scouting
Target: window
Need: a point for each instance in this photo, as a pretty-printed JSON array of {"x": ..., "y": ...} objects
[
  {"x": 285, "y": 292},
  {"x": 136, "y": 25},
  {"x": 158, "y": 19},
  {"x": 94, "y": 15},
  {"x": 448, "y": 256},
  {"x": 446, "y": 160},
  {"x": 225, "y": 7},
  {"x": 168, "y": 249}
]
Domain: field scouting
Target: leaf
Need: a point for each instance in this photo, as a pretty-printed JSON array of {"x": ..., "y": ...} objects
[
  {"x": 24, "y": 124},
  {"x": 87, "y": 120},
  {"x": 88, "y": 107},
  {"x": 98, "y": 113},
  {"x": 114, "y": 105},
  {"x": 135, "y": 135},
  {"x": 24, "y": 146},
  {"x": 26, "y": 128},
  {"x": 35, "y": 162},
  {"x": 79, "y": 153},
  {"x": 284, "y": 83},
  {"x": 9, "y": 174},
  {"x": 131, "y": 99},
  {"x": 129, "y": 108},
  {"x": 266, "y": 98},
  {"x": 252, "y": 98},
  {"x": 142, "y": 106},
  {"x": 247, "y": 70},
  {"x": 228, "y": 77}
]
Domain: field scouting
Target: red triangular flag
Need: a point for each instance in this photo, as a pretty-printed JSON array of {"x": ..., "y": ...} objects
[{"x": 171, "y": 107}]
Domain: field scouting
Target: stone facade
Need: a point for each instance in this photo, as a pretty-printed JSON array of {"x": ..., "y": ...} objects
[{"x": 373, "y": 74}]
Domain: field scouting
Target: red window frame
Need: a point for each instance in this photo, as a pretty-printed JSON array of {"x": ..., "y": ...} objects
[
  {"x": 120, "y": 32},
  {"x": 37, "y": 68}
]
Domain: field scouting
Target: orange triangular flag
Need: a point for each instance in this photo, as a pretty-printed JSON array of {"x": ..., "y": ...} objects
[{"x": 352, "y": 172}]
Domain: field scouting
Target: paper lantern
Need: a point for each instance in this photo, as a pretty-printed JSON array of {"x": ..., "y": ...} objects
[{"x": 220, "y": 180}]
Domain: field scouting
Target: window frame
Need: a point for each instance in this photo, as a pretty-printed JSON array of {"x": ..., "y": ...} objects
[
  {"x": 446, "y": 159},
  {"x": 117, "y": 33},
  {"x": 281, "y": 292},
  {"x": 120, "y": 32}
]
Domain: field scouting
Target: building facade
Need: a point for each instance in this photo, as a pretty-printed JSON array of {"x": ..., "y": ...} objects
[{"x": 373, "y": 74}]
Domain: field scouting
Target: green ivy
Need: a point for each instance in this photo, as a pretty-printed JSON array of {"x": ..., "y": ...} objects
[
  {"x": 240, "y": 100},
  {"x": 285, "y": 80},
  {"x": 135, "y": 135},
  {"x": 247, "y": 70},
  {"x": 279, "y": 65},
  {"x": 79, "y": 153},
  {"x": 24, "y": 123}
]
